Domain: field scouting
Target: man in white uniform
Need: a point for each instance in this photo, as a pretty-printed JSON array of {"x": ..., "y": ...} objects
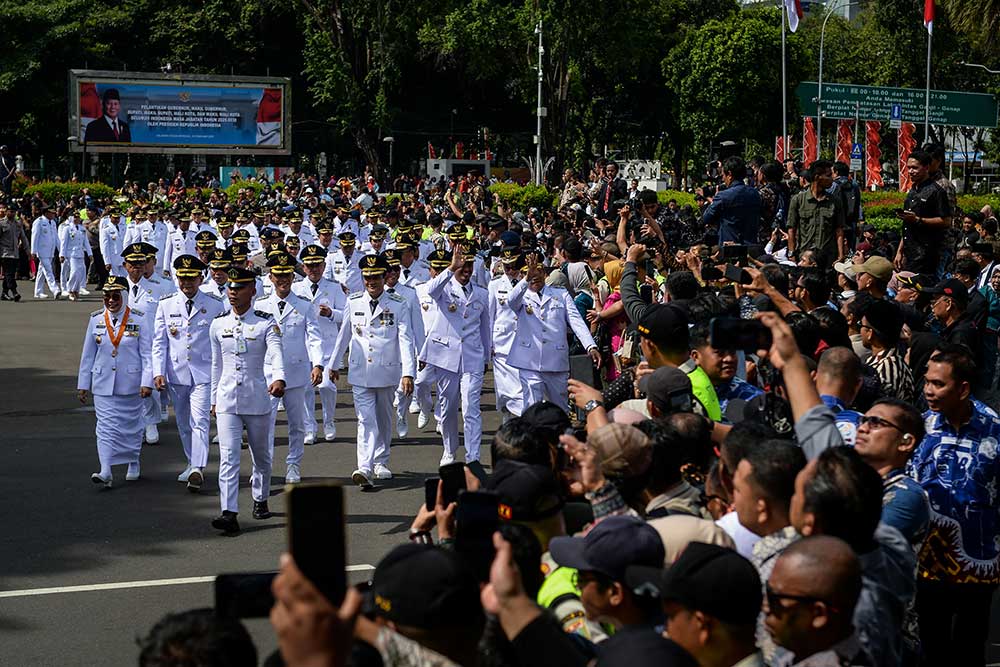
[
  {"x": 402, "y": 400},
  {"x": 111, "y": 239},
  {"x": 241, "y": 397},
  {"x": 458, "y": 345},
  {"x": 342, "y": 266},
  {"x": 302, "y": 356},
  {"x": 143, "y": 296},
  {"x": 116, "y": 367},
  {"x": 506, "y": 380},
  {"x": 218, "y": 267},
  {"x": 74, "y": 247},
  {"x": 180, "y": 242},
  {"x": 44, "y": 245},
  {"x": 182, "y": 362},
  {"x": 377, "y": 334},
  {"x": 329, "y": 303}
]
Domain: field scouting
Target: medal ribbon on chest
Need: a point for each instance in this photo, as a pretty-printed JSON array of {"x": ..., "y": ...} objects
[{"x": 116, "y": 336}]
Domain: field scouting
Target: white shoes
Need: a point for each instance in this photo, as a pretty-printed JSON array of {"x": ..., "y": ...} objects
[
  {"x": 381, "y": 472},
  {"x": 152, "y": 435},
  {"x": 84, "y": 292},
  {"x": 402, "y": 428},
  {"x": 293, "y": 475},
  {"x": 446, "y": 459},
  {"x": 97, "y": 479},
  {"x": 310, "y": 439},
  {"x": 414, "y": 408},
  {"x": 422, "y": 419},
  {"x": 41, "y": 296},
  {"x": 437, "y": 428},
  {"x": 362, "y": 478},
  {"x": 184, "y": 476},
  {"x": 133, "y": 472},
  {"x": 331, "y": 432},
  {"x": 215, "y": 439},
  {"x": 195, "y": 480}
]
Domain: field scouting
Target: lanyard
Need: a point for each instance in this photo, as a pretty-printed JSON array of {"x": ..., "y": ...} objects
[{"x": 113, "y": 336}]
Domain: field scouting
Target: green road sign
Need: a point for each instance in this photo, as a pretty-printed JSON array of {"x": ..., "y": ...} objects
[{"x": 844, "y": 100}]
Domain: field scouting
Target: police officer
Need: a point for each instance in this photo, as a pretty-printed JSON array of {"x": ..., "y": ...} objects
[
  {"x": 377, "y": 334},
  {"x": 540, "y": 350},
  {"x": 44, "y": 245},
  {"x": 302, "y": 351},
  {"x": 402, "y": 400},
  {"x": 116, "y": 367},
  {"x": 241, "y": 397},
  {"x": 342, "y": 265},
  {"x": 182, "y": 362},
  {"x": 111, "y": 239},
  {"x": 329, "y": 303},
  {"x": 458, "y": 345},
  {"x": 506, "y": 379}
]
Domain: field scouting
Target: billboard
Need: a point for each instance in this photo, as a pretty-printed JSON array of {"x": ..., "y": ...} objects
[{"x": 142, "y": 112}]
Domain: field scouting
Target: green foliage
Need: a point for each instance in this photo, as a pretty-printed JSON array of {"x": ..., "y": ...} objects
[
  {"x": 525, "y": 197},
  {"x": 50, "y": 191},
  {"x": 885, "y": 223},
  {"x": 393, "y": 199},
  {"x": 682, "y": 198},
  {"x": 882, "y": 205},
  {"x": 233, "y": 191}
]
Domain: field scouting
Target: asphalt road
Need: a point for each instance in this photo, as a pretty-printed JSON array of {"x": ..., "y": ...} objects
[{"x": 61, "y": 532}]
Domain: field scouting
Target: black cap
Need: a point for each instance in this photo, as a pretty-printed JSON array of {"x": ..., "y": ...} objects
[
  {"x": 984, "y": 249},
  {"x": 114, "y": 284},
  {"x": 528, "y": 492},
  {"x": 952, "y": 287},
  {"x": 610, "y": 547},
  {"x": 134, "y": 252},
  {"x": 271, "y": 234},
  {"x": 373, "y": 265},
  {"x": 548, "y": 417},
  {"x": 188, "y": 266},
  {"x": 241, "y": 234},
  {"x": 642, "y": 649},
  {"x": 281, "y": 263},
  {"x": 424, "y": 586},
  {"x": 669, "y": 389},
  {"x": 240, "y": 277},
  {"x": 439, "y": 259},
  {"x": 391, "y": 257},
  {"x": 665, "y": 325},
  {"x": 205, "y": 239},
  {"x": 707, "y": 578},
  {"x": 221, "y": 258},
  {"x": 313, "y": 254}
]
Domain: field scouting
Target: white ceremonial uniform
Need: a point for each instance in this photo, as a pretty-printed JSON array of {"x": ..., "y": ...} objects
[
  {"x": 414, "y": 274},
  {"x": 344, "y": 270},
  {"x": 179, "y": 243},
  {"x": 480, "y": 273},
  {"x": 145, "y": 296},
  {"x": 148, "y": 231},
  {"x": 114, "y": 376},
  {"x": 254, "y": 246},
  {"x": 458, "y": 345},
  {"x": 182, "y": 353},
  {"x": 162, "y": 287},
  {"x": 330, "y": 294},
  {"x": 506, "y": 378},
  {"x": 111, "y": 239},
  {"x": 74, "y": 246},
  {"x": 301, "y": 348},
  {"x": 307, "y": 233},
  {"x": 379, "y": 341},
  {"x": 401, "y": 400},
  {"x": 212, "y": 287},
  {"x": 240, "y": 344},
  {"x": 541, "y": 349},
  {"x": 426, "y": 381},
  {"x": 44, "y": 244}
]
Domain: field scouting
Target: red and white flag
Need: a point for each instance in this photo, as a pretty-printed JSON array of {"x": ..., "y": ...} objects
[
  {"x": 794, "y": 10},
  {"x": 928, "y": 16}
]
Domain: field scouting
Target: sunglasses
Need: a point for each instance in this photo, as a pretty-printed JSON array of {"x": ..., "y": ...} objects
[
  {"x": 774, "y": 598},
  {"x": 878, "y": 422}
]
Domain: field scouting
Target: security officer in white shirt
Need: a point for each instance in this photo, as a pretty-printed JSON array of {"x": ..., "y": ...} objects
[
  {"x": 117, "y": 368},
  {"x": 302, "y": 350},
  {"x": 402, "y": 400},
  {"x": 44, "y": 245},
  {"x": 458, "y": 346},
  {"x": 343, "y": 266},
  {"x": 111, "y": 239},
  {"x": 218, "y": 267},
  {"x": 180, "y": 242},
  {"x": 377, "y": 334},
  {"x": 74, "y": 247},
  {"x": 242, "y": 340},
  {"x": 540, "y": 350},
  {"x": 182, "y": 362},
  {"x": 506, "y": 379},
  {"x": 329, "y": 303}
]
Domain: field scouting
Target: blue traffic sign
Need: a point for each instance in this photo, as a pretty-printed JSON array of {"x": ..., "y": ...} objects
[
  {"x": 897, "y": 112},
  {"x": 857, "y": 151}
]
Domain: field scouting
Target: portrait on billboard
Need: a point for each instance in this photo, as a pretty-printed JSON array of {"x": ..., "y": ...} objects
[{"x": 109, "y": 126}]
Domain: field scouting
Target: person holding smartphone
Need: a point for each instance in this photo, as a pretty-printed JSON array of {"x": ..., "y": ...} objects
[{"x": 926, "y": 217}]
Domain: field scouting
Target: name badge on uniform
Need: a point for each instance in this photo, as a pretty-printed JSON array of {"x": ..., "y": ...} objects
[{"x": 241, "y": 346}]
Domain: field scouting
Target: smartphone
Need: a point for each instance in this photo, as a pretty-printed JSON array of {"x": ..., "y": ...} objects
[
  {"x": 316, "y": 536},
  {"x": 431, "y": 492},
  {"x": 453, "y": 481},
  {"x": 646, "y": 293},
  {"x": 476, "y": 519},
  {"x": 735, "y": 253},
  {"x": 244, "y": 595},
  {"x": 737, "y": 275},
  {"x": 733, "y": 333},
  {"x": 581, "y": 368}
]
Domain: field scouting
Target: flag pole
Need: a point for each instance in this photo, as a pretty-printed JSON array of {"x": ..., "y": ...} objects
[
  {"x": 784, "y": 84},
  {"x": 927, "y": 97}
]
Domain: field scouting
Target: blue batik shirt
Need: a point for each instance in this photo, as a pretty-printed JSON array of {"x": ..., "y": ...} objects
[
  {"x": 959, "y": 473},
  {"x": 847, "y": 420},
  {"x": 735, "y": 389},
  {"x": 905, "y": 506}
]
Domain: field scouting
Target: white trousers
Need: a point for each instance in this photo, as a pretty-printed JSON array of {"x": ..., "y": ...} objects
[
  {"x": 470, "y": 386},
  {"x": 44, "y": 276},
  {"x": 507, "y": 382},
  {"x": 230, "y": 437},
  {"x": 151, "y": 409},
  {"x": 423, "y": 387},
  {"x": 374, "y": 408},
  {"x": 193, "y": 408},
  {"x": 295, "y": 413},
  {"x": 77, "y": 273},
  {"x": 328, "y": 398},
  {"x": 537, "y": 386}
]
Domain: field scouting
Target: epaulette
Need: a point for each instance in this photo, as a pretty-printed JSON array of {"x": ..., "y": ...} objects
[
  {"x": 213, "y": 296},
  {"x": 97, "y": 312},
  {"x": 166, "y": 296},
  {"x": 263, "y": 314},
  {"x": 222, "y": 314},
  {"x": 138, "y": 312},
  {"x": 155, "y": 281},
  {"x": 356, "y": 295},
  {"x": 396, "y": 297}
]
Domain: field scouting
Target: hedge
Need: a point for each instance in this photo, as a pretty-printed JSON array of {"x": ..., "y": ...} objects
[
  {"x": 682, "y": 198},
  {"x": 50, "y": 191},
  {"x": 883, "y": 204},
  {"x": 524, "y": 197}
]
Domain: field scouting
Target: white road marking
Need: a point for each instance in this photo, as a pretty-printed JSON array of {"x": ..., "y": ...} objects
[{"x": 182, "y": 581}]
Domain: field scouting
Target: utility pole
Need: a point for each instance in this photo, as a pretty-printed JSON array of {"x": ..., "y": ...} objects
[{"x": 539, "y": 110}]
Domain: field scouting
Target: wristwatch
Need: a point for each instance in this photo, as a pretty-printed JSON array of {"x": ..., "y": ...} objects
[{"x": 592, "y": 405}]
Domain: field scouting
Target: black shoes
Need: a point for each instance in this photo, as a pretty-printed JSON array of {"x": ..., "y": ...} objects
[
  {"x": 260, "y": 510},
  {"x": 227, "y": 523}
]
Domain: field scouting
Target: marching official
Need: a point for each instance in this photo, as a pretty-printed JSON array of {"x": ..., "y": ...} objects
[
  {"x": 402, "y": 400},
  {"x": 329, "y": 303},
  {"x": 44, "y": 245},
  {"x": 182, "y": 362},
  {"x": 218, "y": 267},
  {"x": 457, "y": 345},
  {"x": 116, "y": 367},
  {"x": 342, "y": 265},
  {"x": 111, "y": 239},
  {"x": 506, "y": 379},
  {"x": 142, "y": 295},
  {"x": 377, "y": 334},
  {"x": 241, "y": 398},
  {"x": 74, "y": 247},
  {"x": 302, "y": 357}
]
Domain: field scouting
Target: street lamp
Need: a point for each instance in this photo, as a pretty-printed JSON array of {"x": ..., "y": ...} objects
[
  {"x": 539, "y": 110},
  {"x": 390, "y": 141},
  {"x": 819, "y": 86},
  {"x": 991, "y": 71}
]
